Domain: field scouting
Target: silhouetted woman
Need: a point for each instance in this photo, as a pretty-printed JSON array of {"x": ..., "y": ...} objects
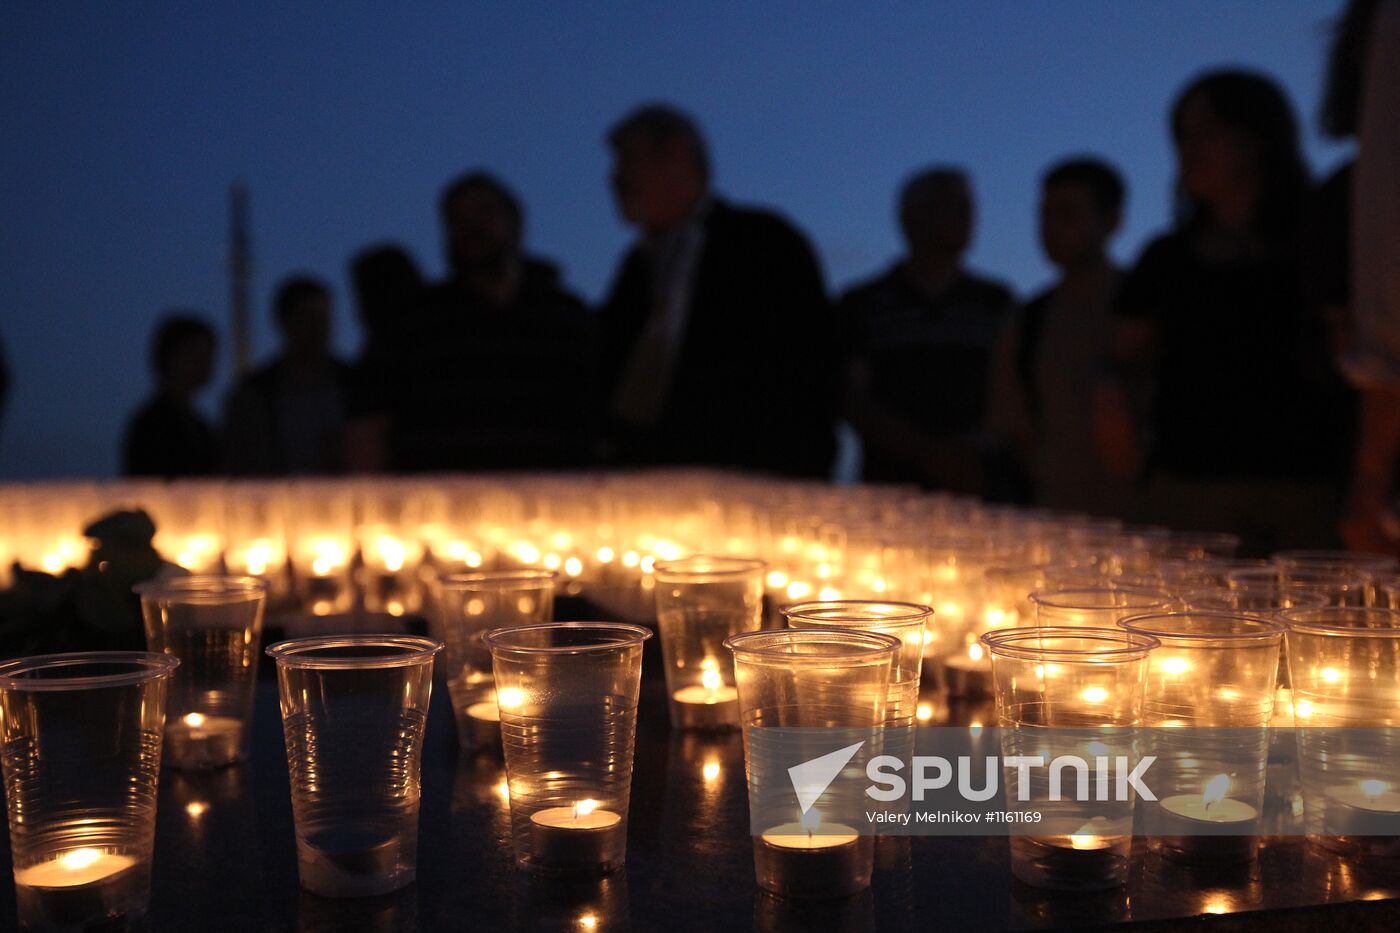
[{"x": 1215, "y": 391}]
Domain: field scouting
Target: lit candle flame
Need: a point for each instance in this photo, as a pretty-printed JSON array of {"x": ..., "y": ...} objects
[
  {"x": 78, "y": 859},
  {"x": 584, "y": 807},
  {"x": 194, "y": 719},
  {"x": 1175, "y": 666},
  {"x": 510, "y": 697},
  {"x": 1094, "y": 694},
  {"x": 710, "y": 771},
  {"x": 1374, "y": 789},
  {"x": 1216, "y": 789}
]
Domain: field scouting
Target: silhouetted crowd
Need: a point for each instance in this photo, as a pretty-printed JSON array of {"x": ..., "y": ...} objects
[{"x": 1201, "y": 387}]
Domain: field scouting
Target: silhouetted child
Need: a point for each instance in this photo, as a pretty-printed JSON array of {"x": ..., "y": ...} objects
[
  {"x": 1049, "y": 356},
  {"x": 921, "y": 337},
  {"x": 289, "y": 416},
  {"x": 167, "y": 436}
]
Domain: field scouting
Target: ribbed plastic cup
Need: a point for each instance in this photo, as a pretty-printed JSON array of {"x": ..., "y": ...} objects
[
  {"x": 1345, "y": 668},
  {"x": 568, "y": 694},
  {"x": 353, "y": 712},
  {"x": 81, "y": 759},
  {"x": 1080, "y": 689},
  {"x": 701, "y": 601},
  {"x": 794, "y": 686},
  {"x": 213, "y": 624},
  {"x": 1096, "y": 607},
  {"x": 904, "y": 621},
  {"x": 472, "y": 605},
  {"x": 1208, "y": 703}
]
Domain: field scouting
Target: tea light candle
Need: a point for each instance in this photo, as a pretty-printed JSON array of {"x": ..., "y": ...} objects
[
  {"x": 74, "y": 868},
  {"x": 798, "y": 861},
  {"x": 484, "y": 724},
  {"x": 710, "y": 704},
  {"x": 1083, "y": 861},
  {"x": 199, "y": 741},
  {"x": 346, "y": 859},
  {"x": 582, "y": 837},
  {"x": 1208, "y": 826},
  {"x": 1365, "y": 808},
  {"x": 78, "y": 888},
  {"x": 968, "y": 674}
]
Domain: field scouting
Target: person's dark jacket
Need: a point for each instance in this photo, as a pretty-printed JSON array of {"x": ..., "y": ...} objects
[
  {"x": 467, "y": 386},
  {"x": 167, "y": 438},
  {"x": 253, "y": 433},
  {"x": 754, "y": 382}
]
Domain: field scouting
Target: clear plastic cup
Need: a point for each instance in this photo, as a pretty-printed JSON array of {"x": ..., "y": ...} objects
[
  {"x": 904, "y": 621},
  {"x": 472, "y": 605},
  {"x": 1208, "y": 703},
  {"x": 353, "y": 712},
  {"x": 1096, "y": 607},
  {"x": 213, "y": 624},
  {"x": 701, "y": 601},
  {"x": 568, "y": 700},
  {"x": 81, "y": 758},
  {"x": 1072, "y": 691},
  {"x": 1345, "y": 668},
  {"x": 795, "y": 687}
]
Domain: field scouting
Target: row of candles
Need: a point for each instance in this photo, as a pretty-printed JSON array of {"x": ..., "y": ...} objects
[{"x": 1031, "y": 606}]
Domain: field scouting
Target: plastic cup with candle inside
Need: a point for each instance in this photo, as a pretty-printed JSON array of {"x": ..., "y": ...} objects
[
  {"x": 213, "y": 624},
  {"x": 1344, "y": 664},
  {"x": 1073, "y": 693},
  {"x": 567, "y": 735},
  {"x": 1096, "y": 607},
  {"x": 81, "y": 754},
  {"x": 353, "y": 714},
  {"x": 322, "y": 520},
  {"x": 701, "y": 601},
  {"x": 471, "y": 605},
  {"x": 1207, "y": 706},
  {"x": 798, "y": 687},
  {"x": 905, "y": 621},
  {"x": 255, "y": 522},
  {"x": 389, "y": 532}
]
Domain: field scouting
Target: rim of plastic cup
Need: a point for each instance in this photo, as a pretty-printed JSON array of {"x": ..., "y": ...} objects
[
  {"x": 706, "y": 567},
  {"x": 772, "y": 644},
  {"x": 624, "y": 635},
  {"x": 199, "y": 587},
  {"x": 400, "y": 651},
  {"x": 525, "y": 578},
  {"x": 1297, "y": 620},
  {"x": 1116, "y": 644},
  {"x": 1304, "y": 559},
  {"x": 1207, "y": 595},
  {"x": 146, "y": 665},
  {"x": 1158, "y": 625},
  {"x": 1062, "y": 598},
  {"x": 856, "y": 613}
]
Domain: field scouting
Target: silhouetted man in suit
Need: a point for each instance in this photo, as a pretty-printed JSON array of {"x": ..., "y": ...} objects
[{"x": 716, "y": 337}]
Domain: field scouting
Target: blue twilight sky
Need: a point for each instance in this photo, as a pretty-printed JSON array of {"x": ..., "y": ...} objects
[{"x": 123, "y": 125}]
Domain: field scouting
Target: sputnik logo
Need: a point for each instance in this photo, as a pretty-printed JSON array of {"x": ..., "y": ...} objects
[{"x": 811, "y": 778}]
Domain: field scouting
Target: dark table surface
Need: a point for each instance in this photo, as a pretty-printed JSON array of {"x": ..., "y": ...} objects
[{"x": 226, "y": 860}]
